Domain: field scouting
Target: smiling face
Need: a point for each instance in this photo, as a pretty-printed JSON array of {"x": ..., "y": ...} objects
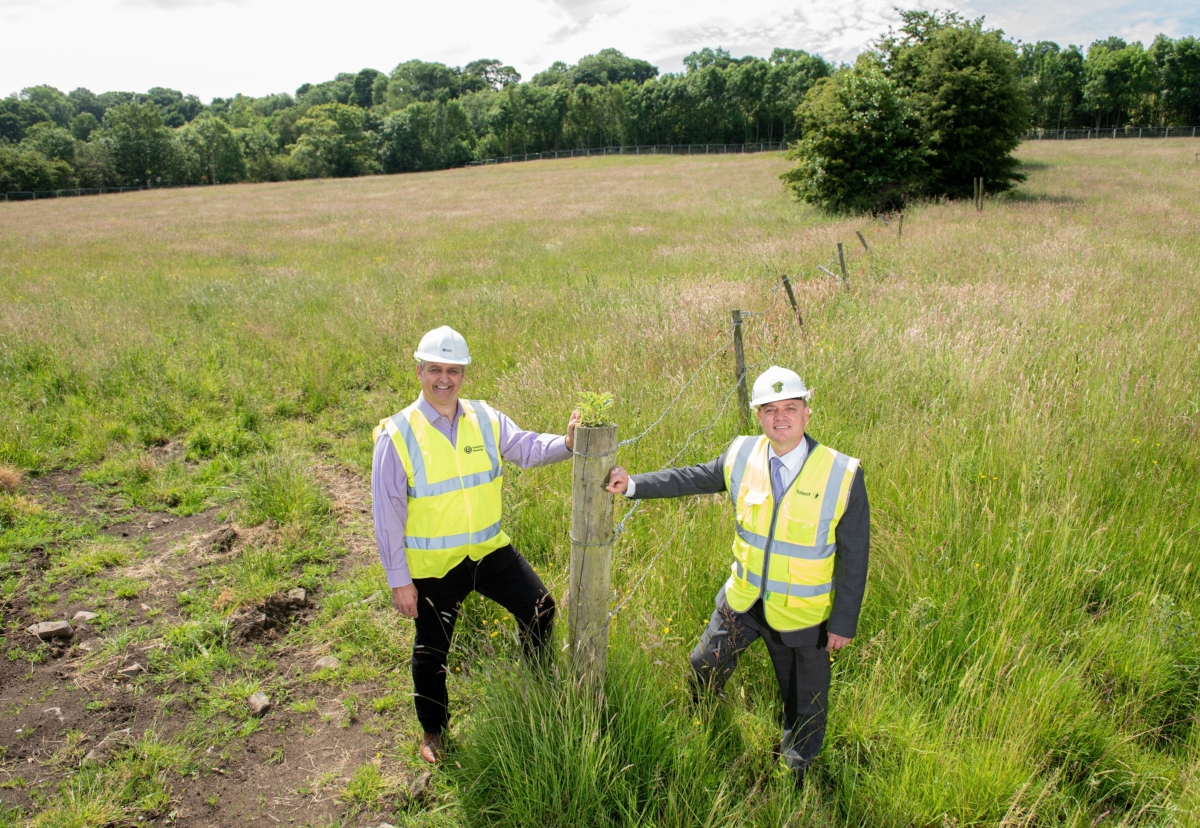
[
  {"x": 783, "y": 422},
  {"x": 440, "y": 383}
]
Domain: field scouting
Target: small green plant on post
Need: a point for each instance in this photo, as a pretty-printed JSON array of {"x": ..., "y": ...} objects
[
  {"x": 593, "y": 408},
  {"x": 591, "y": 539}
]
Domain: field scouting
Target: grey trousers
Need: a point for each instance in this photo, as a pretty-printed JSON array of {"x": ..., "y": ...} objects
[{"x": 801, "y": 667}]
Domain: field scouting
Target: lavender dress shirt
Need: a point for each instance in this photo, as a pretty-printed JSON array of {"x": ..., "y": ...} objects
[{"x": 389, "y": 483}]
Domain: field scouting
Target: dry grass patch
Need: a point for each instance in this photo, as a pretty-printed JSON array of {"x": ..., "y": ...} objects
[{"x": 11, "y": 480}]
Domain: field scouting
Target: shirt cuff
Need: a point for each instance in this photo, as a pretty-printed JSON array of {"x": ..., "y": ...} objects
[
  {"x": 398, "y": 577},
  {"x": 557, "y": 451},
  {"x": 629, "y": 492}
]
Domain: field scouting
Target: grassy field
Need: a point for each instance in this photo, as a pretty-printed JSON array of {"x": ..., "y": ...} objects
[{"x": 189, "y": 380}]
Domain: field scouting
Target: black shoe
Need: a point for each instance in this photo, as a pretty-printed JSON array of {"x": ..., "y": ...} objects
[{"x": 799, "y": 780}]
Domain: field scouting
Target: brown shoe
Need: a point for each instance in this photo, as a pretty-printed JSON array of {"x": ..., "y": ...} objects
[{"x": 431, "y": 748}]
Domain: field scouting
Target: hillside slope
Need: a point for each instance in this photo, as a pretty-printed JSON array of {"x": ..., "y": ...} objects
[{"x": 189, "y": 382}]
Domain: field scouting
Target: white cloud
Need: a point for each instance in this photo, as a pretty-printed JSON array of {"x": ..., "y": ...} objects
[{"x": 1081, "y": 23}]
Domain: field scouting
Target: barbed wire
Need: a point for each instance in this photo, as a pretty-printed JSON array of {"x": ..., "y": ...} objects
[{"x": 671, "y": 404}]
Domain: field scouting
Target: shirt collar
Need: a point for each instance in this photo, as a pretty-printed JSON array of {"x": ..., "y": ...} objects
[
  {"x": 794, "y": 459},
  {"x": 432, "y": 414}
]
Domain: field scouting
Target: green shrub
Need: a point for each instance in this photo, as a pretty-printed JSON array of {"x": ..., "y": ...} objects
[{"x": 861, "y": 151}]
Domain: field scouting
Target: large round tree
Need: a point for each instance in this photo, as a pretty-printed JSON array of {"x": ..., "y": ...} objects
[
  {"x": 965, "y": 84},
  {"x": 860, "y": 149}
]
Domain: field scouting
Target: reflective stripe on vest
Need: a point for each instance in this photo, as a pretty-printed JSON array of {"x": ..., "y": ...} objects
[
  {"x": 782, "y": 587},
  {"x": 457, "y": 515},
  {"x": 417, "y": 486},
  {"x": 800, "y": 552}
]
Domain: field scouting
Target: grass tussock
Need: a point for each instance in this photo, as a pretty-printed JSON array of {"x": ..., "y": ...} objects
[
  {"x": 276, "y": 487},
  {"x": 11, "y": 480},
  {"x": 542, "y": 750}
]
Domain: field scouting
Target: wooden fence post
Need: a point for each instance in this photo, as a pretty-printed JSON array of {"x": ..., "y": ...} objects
[
  {"x": 739, "y": 362},
  {"x": 866, "y": 246},
  {"x": 787, "y": 285},
  {"x": 591, "y": 553},
  {"x": 842, "y": 262},
  {"x": 900, "y": 227}
]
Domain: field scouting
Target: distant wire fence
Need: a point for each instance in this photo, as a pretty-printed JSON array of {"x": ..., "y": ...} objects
[
  {"x": 648, "y": 149},
  {"x": 1111, "y": 133},
  {"x": 37, "y": 195},
  {"x": 836, "y": 268}
]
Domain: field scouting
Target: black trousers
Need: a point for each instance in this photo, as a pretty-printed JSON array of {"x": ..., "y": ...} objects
[
  {"x": 801, "y": 667},
  {"x": 503, "y": 576}
]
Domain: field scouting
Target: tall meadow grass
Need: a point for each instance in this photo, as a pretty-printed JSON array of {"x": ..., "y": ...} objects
[{"x": 1021, "y": 385}]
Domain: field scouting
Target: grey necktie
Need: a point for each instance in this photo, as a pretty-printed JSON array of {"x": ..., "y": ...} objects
[{"x": 777, "y": 487}]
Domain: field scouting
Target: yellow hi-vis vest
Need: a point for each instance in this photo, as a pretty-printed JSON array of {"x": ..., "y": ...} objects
[
  {"x": 797, "y": 539},
  {"x": 453, "y": 491}
]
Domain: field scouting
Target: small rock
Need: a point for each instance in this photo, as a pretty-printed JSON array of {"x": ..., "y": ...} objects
[
  {"x": 50, "y": 630},
  {"x": 420, "y": 785},
  {"x": 145, "y": 607},
  {"x": 326, "y": 663},
  {"x": 165, "y": 521},
  {"x": 132, "y": 671},
  {"x": 217, "y": 541},
  {"x": 85, "y": 646},
  {"x": 83, "y": 616},
  {"x": 56, "y": 712},
  {"x": 249, "y": 623},
  {"x": 259, "y": 704},
  {"x": 105, "y": 747},
  {"x": 297, "y": 596},
  {"x": 152, "y": 524}
]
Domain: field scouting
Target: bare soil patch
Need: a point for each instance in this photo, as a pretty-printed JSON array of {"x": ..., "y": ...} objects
[{"x": 58, "y": 701}]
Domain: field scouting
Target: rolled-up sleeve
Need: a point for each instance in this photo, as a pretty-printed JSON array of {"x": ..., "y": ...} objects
[
  {"x": 389, "y": 495},
  {"x": 529, "y": 448}
]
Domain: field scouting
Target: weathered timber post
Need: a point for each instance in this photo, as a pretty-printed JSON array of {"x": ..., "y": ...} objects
[
  {"x": 981, "y": 194},
  {"x": 862, "y": 239},
  {"x": 900, "y": 227},
  {"x": 591, "y": 552},
  {"x": 787, "y": 285},
  {"x": 739, "y": 362},
  {"x": 842, "y": 262}
]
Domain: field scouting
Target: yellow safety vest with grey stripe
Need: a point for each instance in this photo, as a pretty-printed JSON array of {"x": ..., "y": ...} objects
[
  {"x": 794, "y": 541},
  {"x": 453, "y": 491}
]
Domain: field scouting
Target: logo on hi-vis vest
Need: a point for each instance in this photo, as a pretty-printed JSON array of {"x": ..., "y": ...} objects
[
  {"x": 470, "y": 449},
  {"x": 813, "y": 495},
  {"x": 778, "y": 387}
]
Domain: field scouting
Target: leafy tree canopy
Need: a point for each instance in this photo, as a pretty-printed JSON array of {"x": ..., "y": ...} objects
[{"x": 861, "y": 149}]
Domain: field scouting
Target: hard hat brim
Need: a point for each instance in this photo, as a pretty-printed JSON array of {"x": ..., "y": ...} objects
[
  {"x": 422, "y": 357},
  {"x": 806, "y": 396}
]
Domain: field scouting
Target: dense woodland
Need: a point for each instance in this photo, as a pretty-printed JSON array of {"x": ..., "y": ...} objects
[{"x": 426, "y": 116}]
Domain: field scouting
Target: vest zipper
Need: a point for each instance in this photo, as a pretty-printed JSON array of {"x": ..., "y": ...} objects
[
  {"x": 766, "y": 576},
  {"x": 458, "y": 467}
]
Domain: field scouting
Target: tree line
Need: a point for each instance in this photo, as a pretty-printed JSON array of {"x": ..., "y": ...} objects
[{"x": 427, "y": 116}]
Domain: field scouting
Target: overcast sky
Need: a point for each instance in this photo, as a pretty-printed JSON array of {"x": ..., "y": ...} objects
[{"x": 219, "y": 47}]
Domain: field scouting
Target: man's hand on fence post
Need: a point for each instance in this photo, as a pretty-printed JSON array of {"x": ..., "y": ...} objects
[{"x": 618, "y": 480}]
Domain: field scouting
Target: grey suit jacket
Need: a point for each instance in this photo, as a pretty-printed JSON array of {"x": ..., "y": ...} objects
[{"x": 853, "y": 530}]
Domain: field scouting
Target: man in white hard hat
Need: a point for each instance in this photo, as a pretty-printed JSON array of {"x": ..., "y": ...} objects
[
  {"x": 799, "y": 556},
  {"x": 436, "y": 484}
]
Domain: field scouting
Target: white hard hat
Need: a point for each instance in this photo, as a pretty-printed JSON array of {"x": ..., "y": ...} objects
[
  {"x": 776, "y": 384},
  {"x": 443, "y": 344}
]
